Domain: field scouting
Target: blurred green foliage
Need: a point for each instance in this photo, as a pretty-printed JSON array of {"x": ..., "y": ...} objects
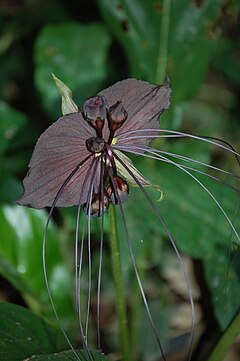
[
  {"x": 90, "y": 45},
  {"x": 68, "y": 50},
  {"x": 25, "y": 335}
]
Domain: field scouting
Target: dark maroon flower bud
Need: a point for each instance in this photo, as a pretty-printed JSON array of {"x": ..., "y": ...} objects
[
  {"x": 95, "y": 107},
  {"x": 116, "y": 116},
  {"x": 95, "y": 144},
  {"x": 122, "y": 189},
  {"x": 95, "y": 111},
  {"x": 97, "y": 207}
]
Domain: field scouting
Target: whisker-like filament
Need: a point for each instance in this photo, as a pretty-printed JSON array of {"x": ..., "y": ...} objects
[
  {"x": 231, "y": 223},
  {"x": 100, "y": 254},
  {"x": 65, "y": 183},
  {"x": 89, "y": 264},
  {"x": 136, "y": 269},
  {"x": 92, "y": 172},
  {"x": 144, "y": 133},
  {"x": 156, "y": 211},
  {"x": 79, "y": 261},
  {"x": 157, "y": 154},
  {"x": 224, "y": 142},
  {"x": 123, "y": 117},
  {"x": 79, "y": 258},
  {"x": 148, "y": 150},
  {"x": 187, "y": 159}
]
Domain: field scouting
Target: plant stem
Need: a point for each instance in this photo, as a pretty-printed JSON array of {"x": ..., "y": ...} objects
[
  {"x": 163, "y": 43},
  {"x": 226, "y": 340},
  {"x": 117, "y": 275}
]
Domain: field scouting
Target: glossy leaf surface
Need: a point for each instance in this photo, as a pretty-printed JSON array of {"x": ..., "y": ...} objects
[
  {"x": 20, "y": 254},
  {"x": 25, "y": 336}
]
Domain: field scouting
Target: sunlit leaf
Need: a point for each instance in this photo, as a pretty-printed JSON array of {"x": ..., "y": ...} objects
[{"x": 21, "y": 247}]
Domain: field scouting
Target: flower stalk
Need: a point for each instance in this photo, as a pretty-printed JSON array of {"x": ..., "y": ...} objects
[
  {"x": 117, "y": 275},
  {"x": 227, "y": 339}
]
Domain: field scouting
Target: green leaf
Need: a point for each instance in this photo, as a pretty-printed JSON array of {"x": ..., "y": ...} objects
[
  {"x": 23, "y": 334},
  {"x": 224, "y": 286},
  {"x": 146, "y": 343},
  {"x": 142, "y": 180},
  {"x": 190, "y": 213},
  {"x": 76, "y": 54},
  {"x": 12, "y": 275},
  {"x": 11, "y": 121},
  {"x": 192, "y": 217},
  {"x": 21, "y": 254},
  {"x": 192, "y": 39},
  {"x": 194, "y": 220}
]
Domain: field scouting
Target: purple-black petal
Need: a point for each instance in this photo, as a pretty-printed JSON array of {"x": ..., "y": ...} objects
[
  {"x": 57, "y": 152},
  {"x": 143, "y": 102}
]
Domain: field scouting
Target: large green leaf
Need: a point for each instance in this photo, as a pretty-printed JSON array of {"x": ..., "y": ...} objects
[
  {"x": 25, "y": 336},
  {"x": 192, "y": 39},
  {"x": 191, "y": 214},
  {"x": 196, "y": 223},
  {"x": 224, "y": 286},
  {"x": 77, "y": 55},
  {"x": 21, "y": 255}
]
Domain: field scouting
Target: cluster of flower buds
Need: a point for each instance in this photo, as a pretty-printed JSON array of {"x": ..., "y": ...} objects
[
  {"x": 95, "y": 111},
  {"x": 97, "y": 207},
  {"x": 115, "y": 194},
  {"x": 120, "y": 187}
]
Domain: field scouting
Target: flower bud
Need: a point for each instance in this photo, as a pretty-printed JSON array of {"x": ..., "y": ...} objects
[
  {"x": 116, "y": 116},
  {"x": 95, "y": 144},
  {"x": 122, "y": 189},
  {"x": 97, "y": 207},
  {"x": 95, "y": 111}
]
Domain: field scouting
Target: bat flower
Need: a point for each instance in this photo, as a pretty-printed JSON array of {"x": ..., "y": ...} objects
[
  {"x": 71, "y": 154},
  {"x": 80, "y": 160}
]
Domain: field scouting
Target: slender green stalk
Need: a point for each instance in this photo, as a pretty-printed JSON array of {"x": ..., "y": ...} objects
[
  {"x": 226, "y": 340},
  {"x": 117, "y": 275},
  {"x": 163, "y": 43}
]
